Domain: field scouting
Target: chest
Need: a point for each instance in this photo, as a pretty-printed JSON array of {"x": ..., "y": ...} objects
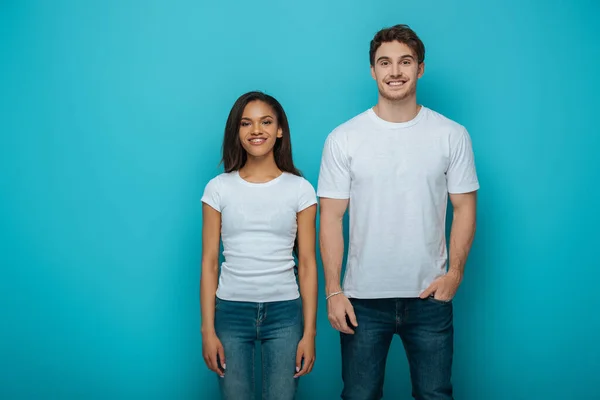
[
  {"x": 400, "y": 160},
  {"x": 259, "y": 212}
]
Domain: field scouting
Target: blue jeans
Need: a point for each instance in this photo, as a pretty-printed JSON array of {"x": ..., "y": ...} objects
[
  {"x": 278, "y": 326},
  {"x": 426, "y": 330}
]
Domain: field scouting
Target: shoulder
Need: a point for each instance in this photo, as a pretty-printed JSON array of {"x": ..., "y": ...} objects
[
  {"x": 224, "y": 178},
  {"x": 345, "y": 130},
  {"x": 297, "y": 181},
  {"x": 214, "y": 192},
  {"x": 444, "y": 124},
  {"x": 220, "y": 182},
  {"x": 300, "y": 192},
  {"x": 299, "y": 186}
]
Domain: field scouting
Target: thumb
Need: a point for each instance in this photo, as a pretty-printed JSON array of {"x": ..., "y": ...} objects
[{"x": 427, "y": 292}]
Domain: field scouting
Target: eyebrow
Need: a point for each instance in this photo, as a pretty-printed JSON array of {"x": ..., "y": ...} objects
[
  {"x": 263, "y": 117},
  {"x": 401, "y": 57}
]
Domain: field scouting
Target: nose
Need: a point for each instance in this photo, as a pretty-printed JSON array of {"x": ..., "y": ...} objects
[
  {"x": 395, "y": 69},
  {"x": 256, "y": 129}
]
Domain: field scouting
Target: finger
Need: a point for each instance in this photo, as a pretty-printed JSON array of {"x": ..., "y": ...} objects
[
  {"x": 334, "y": 323},
  {"x": 352, "y": 316},
  {"x": 427, "y": 292},
  {"x": 309, "y": 365},
  {"x": 299, "y": 356},
  {"x": 343, "y": 326},
  {"x": 439, "y": 294},
  {"x": 442, "y": 296},
  {"x": 215, "y": 363},
  {"x": 302, "y": 371},
  {"x": 212, "y": 364},
  {"x": 221, "y": 354}
]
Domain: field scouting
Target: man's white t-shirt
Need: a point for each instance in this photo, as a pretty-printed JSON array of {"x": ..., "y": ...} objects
[
  {"x": 258, "y": 231},
  {"x": 397, "y": 177}
]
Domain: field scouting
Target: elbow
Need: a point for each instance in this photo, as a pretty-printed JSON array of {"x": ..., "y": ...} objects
[
  {"x": 330, "y": 223},
  {"x": 210, "y": 265},
  {"x": 466, "y": 218},
  {"x": 307, "y": 264},
  {"x": 328, "y": 217}
]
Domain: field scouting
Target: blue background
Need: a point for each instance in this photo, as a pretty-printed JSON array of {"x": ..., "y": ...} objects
[{"x": 111, "y": 120}]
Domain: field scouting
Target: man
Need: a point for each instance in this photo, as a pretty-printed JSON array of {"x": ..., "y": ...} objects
[{"x": 395, "y": 165}]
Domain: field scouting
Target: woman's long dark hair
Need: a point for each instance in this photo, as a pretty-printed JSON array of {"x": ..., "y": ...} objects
[{"x": 234, "y": 155}]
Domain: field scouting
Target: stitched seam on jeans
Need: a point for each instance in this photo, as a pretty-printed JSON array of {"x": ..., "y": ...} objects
[
  {"x": 253, "y": 369},
  {"x": 262, "y": 366}
]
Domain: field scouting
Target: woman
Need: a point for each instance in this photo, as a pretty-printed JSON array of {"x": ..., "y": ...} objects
[{"x": 264, "y": 211}]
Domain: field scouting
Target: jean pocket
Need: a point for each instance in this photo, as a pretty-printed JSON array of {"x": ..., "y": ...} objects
[{"x": 437, "y": 301}]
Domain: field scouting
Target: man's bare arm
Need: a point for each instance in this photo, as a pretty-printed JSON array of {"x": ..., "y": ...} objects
[
  {"x": 461, "y": 238},
  {"x": 331, "y": 240},
  {"x": 462, "y": 232}
]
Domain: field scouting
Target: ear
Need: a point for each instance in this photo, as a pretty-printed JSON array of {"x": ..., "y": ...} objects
[
  {"x": 421, "y": 70},
  {"x": 373, "y": 73},
  {"x": 279, "y": 132}
]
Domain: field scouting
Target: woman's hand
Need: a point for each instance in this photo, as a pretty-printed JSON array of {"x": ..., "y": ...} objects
[
  {"x": 213, "y": 353},
  {"x": 305, "y": 356}
]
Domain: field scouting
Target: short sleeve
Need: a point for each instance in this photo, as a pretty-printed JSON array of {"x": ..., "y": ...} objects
[
  {"x": 461, "y": 174},
  {"x": 212, "y": 195},
  {"x": 334, "y": 174},
  {"x": 307, "y": 196}
]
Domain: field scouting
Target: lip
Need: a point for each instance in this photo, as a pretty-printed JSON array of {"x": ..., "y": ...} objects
[
  {"x": 257, "y": 141},
  {"x": 396, "y": 83}
]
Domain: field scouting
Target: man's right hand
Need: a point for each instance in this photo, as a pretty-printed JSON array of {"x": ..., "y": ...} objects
[{"x": 338, "y": 307}]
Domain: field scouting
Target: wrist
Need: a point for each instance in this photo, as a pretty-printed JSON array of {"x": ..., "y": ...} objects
[
  {"x": 456, "y": 272},
  {"x": 310, "y": 333},
  {"x": 208, "y": 331},
  {"x": 333, "y": 294},
  {"x": 332, "y": 289}
]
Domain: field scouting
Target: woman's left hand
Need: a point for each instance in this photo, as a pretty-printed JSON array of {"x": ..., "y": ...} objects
[{"x": 305, "y": 356}]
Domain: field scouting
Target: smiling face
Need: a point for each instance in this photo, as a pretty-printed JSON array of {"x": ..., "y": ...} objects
[
  {"x": 396, "y": 71},
  {"x": 259, "y": 129}
]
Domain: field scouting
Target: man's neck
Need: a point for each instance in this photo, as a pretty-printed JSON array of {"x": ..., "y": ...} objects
[{"x": 397, "y": 111}]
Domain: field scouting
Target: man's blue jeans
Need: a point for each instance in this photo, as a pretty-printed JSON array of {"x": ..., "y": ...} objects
[
  {"x": 279, "y": 327},
  {"x": 427, "y": 333}
]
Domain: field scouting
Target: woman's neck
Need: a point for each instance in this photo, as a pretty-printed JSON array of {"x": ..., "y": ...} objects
[{"x": 260, "y": 169}]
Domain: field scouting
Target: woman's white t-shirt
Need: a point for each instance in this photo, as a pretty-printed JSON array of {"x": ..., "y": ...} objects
[{"x": 258, "y": 231}]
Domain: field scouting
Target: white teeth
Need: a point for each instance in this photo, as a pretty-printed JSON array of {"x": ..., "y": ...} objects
[{"x": 257, "y": 141}]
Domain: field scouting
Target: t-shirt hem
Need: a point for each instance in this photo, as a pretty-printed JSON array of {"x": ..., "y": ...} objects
[
  {"x": 306, "y": 205},
  {"x": 464, "y": 189},
  {"x": 334, "y": 195},
  {"x": 355, "y": 294},
  {"x": 287, "y": 297},
  {"x": 210, "y": 203}
]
